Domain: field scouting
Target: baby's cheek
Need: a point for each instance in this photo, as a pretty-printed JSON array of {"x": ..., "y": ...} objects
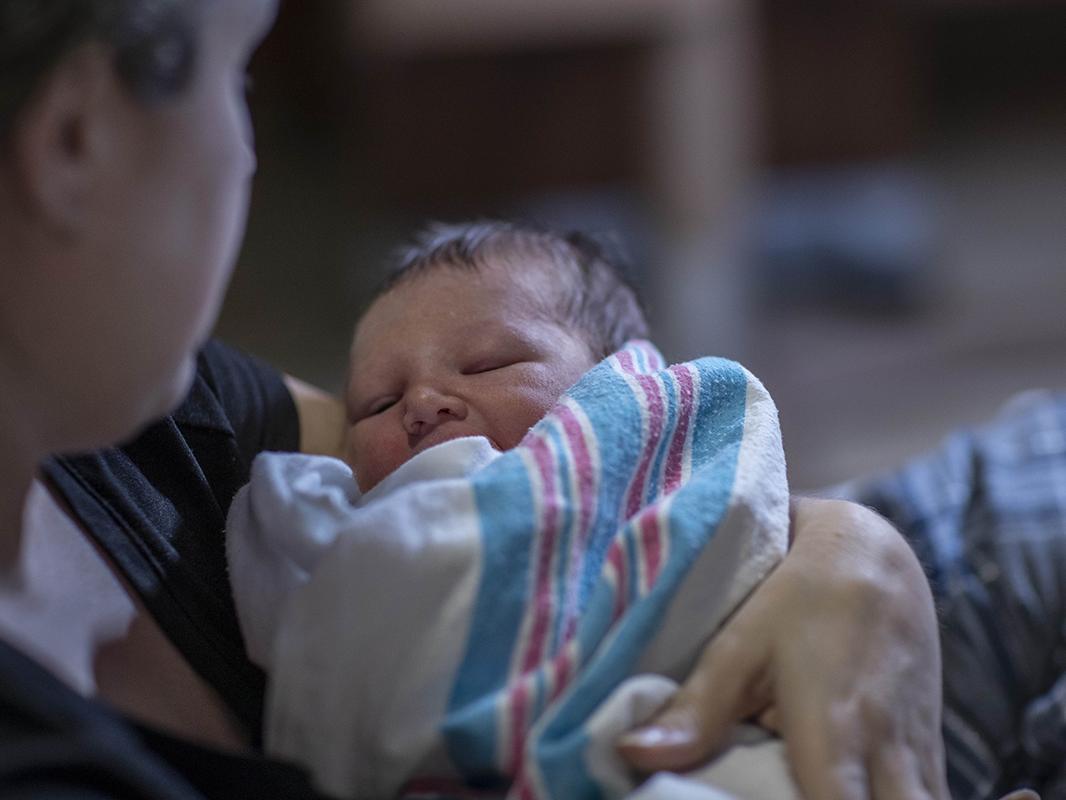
[
  {"x": 369, "y": 456},
  {"x": 350, "y": 447},
  {"x": 531, "y": 409}
]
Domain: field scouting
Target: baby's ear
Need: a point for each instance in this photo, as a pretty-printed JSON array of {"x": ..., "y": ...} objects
[
  {"x": 1021, "y": 794},
  {"x": 59, "y": 142}
]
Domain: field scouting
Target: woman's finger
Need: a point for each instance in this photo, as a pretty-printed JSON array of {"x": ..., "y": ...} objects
[
  {"x": 823, "y": 741},
  {"x": 699, "y": 717},
  {"x": 838, "y": 650},
  {"x": 897, "y": 773}
]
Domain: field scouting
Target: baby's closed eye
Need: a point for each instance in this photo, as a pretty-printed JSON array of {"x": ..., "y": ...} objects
[
  {"x": 500, "y": 356},
  {"x": 363, "y": 410},
  {"x": 380, "y": 405},
  {"x": 490, "y": 365}
]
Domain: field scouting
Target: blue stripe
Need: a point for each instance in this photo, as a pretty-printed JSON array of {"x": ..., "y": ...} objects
[
  {"x": 613, "y": 413},
  {"x": 504, "y": 496}
]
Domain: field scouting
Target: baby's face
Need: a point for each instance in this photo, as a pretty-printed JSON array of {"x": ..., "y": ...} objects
[{"x": 454, "y": 353}]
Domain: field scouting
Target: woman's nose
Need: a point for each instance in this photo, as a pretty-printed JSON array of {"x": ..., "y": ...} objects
[{"x": 427, "y": 408}]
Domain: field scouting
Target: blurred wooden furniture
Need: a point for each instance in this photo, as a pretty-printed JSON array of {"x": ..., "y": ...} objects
[{"x": 479, "y": 100}]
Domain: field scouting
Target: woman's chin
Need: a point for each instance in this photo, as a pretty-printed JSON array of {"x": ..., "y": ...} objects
[
  {"x": 177, "y": 390},
  {"x": 170, "y": 393}
]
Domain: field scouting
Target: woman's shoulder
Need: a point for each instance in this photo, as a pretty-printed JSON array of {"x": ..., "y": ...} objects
[
  {"x": 157, "y": 506},
  {"x": 240, "y": 394}
]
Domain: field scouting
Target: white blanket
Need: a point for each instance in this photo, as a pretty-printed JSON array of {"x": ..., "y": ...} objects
[{"x": 473, "y": 620}]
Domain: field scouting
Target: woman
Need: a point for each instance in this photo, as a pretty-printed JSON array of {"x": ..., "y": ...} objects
[{"x": 125, "y": 160}]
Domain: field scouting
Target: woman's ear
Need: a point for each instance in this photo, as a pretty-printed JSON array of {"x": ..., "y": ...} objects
[{"x": 60, "y": 140}]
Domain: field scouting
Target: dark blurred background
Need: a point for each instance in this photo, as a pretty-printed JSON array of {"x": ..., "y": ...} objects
[{"x": 865, "y": 203}]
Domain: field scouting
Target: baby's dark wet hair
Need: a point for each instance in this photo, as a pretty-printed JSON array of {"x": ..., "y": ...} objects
[
  {"x": 600, "y": 303},
  {"x": 153, "y": 44}
]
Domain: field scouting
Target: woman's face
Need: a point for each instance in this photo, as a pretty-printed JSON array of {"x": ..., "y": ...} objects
[
  {"x": 183, "y": 198},
  {"x": 140, "y": 288}
]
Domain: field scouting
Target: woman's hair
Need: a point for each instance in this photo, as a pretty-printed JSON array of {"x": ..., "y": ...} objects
[
  {"x": 153, "y": 44},
  {"x": 595, "y": 298}
]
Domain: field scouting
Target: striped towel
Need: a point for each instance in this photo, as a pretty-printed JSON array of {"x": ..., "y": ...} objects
[{"x": 461, "y": 624}]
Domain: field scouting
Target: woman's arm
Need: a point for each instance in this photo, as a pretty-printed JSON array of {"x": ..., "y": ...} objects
[
  {"x": 838, "y": 652},
  {"x": 322, "y": 419}
]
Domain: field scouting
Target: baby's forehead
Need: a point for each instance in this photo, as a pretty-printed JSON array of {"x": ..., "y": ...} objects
[
  {"x": 471, "y": 304},
  {"x": 532, "y": 279}
]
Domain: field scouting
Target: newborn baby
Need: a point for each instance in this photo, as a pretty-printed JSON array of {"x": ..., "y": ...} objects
[
  {"x": 478, "y": 332},
  {"x": 538, "y": 512}
]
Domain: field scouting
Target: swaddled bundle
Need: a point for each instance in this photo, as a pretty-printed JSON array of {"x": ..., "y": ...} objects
[{"x": 465, "y": 621}]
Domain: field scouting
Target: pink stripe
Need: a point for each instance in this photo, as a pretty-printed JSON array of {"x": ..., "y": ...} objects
[
  {"x": 522, "y": 789},
  {"x": 586, "y": 486},
  {"x": 542, "y": 601},
  {"x": 617, "y": 559},
  {"x": 561, "y": 670},
  {"x": 685, "y": 404},
  {"x": 651, "y": 547},
  {"x": 654, "y": 402},
  {"x": 575, "y": 436},
  {"x": 542, "y": 598},
  {"x": 655, "y": 430},
  {"x": 519, "y": 709}
]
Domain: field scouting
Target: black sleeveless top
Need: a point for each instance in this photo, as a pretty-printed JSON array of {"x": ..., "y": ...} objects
[{"x": 158, "y": 506}]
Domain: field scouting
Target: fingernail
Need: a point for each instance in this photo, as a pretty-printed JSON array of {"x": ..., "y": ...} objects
[{"x": 656, "y": 736}]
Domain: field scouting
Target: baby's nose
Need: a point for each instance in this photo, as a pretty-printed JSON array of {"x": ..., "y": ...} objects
[{"x": 427, "y": 408}]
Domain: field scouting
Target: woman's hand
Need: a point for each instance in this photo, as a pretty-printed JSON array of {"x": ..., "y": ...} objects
[{"x": 837, "y": 651}]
